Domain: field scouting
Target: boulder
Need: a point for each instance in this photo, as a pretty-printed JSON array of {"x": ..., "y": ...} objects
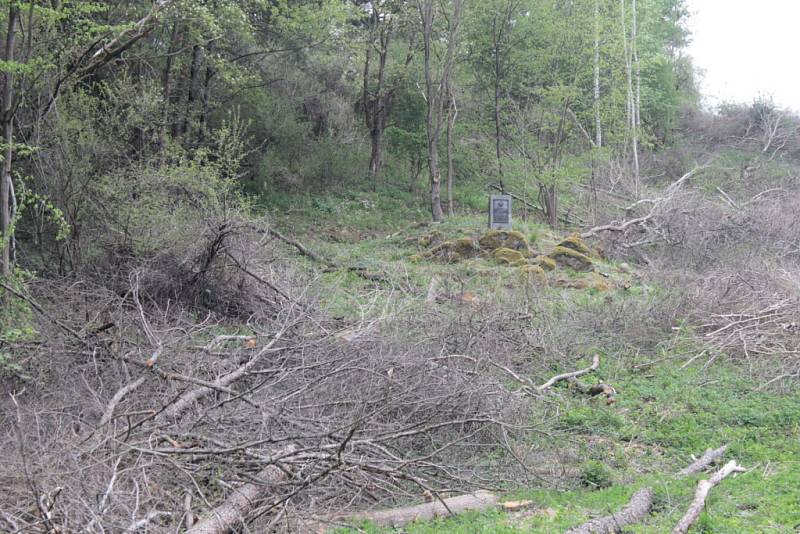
[
  {"x": 494, "y": 239},
  {"x": 577, "y": 244},
  {"x": 508, "y": 256},
  {"x": 548, "y": 264},
  {"x": 571, "y": 258},
  {"x": 451, "y": 251}
]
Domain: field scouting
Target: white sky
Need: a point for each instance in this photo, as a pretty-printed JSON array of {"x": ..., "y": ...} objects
[{"x": 747, "y": 48}]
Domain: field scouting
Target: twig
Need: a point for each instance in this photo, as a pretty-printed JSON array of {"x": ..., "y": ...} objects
[
  {"x": 146, "y": 520},
  {"x": 41, "y": 310}
]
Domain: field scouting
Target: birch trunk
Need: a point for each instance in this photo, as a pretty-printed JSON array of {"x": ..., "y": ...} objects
[{"x": 8, "y": 138}]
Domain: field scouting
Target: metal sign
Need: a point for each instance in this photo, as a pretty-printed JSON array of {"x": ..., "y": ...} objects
[{"x": 500, "y": 212}]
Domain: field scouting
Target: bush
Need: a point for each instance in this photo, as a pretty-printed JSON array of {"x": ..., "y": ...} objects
[{"x": 596, "y": 475}]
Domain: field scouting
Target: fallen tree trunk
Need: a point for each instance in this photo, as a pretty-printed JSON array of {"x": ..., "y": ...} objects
[
  {"x": 636, "y": 510},
  {"x": 238, "y": 505},
  {"x": 397, "y": 517},
  {"x": 700, "y": 494},
  {"x": 709, "y": 457}
]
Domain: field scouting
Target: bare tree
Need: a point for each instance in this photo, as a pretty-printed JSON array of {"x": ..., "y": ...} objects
[{"x": 436, "y": 88}]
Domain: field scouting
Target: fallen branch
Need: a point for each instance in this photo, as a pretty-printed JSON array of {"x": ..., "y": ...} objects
[
  {"x": 656, "y": 203},
  {"x": 709, "y": 457},
  {"x": 397, "y": 517},
  {"x": 257, "y": 278},
  {"x": 332, "y": 265},
  {"x": 36, "y": 306},
  {"x": 118, "y": 396},
  {"x": 190, "y": 397},
  {"x": 573, "y": 374},
  {"x": 700, "y": 494},
  {"x": 635, "y": 511},
  {"x": 239, "y": 504},
  {"x": 300, "y": 248}
]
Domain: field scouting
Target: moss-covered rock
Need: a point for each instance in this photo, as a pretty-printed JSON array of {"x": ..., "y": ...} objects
[
  {"x": 508, "y": 256},
  {"x": 574, "y": 242},
  {"x": 548, "y": 264},
  {"x": 572, "y": 258},
  {"x": 452, "y": 251},
  {"x": 535, "y": 272},
  {"x": 511, "y": 239}
]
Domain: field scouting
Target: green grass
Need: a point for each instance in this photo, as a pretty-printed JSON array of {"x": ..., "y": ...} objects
[{"x": 663, "y": 416}]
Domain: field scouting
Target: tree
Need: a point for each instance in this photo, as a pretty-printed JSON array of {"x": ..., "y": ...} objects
[
  {"x": 7, "y": 200},
  {"x": 436, "y": 84}
]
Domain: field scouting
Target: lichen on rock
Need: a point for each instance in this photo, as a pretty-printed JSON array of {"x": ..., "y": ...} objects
[{"x": 511, "y": 239}]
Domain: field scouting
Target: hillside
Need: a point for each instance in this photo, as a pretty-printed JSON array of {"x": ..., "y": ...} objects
[{"x": 247, "y": 284}]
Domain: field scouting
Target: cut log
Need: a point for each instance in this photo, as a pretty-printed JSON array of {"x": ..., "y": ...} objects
[
  {"x": 397, "y": 517},
  {"x": 238, "y": 505},
  {"x": 635, "y": 511},
  {"x": 700, "y": 494},
  {"x": 709, "y": 457}
]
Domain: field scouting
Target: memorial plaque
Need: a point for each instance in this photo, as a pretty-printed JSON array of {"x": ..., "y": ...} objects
[{"x": 500, "y": 212}]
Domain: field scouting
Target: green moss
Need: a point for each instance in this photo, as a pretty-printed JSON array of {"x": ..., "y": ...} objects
[
  {"x": 574, "y": 242},
  {"x": 453, "y": 251},
  {"x": 548, "y": 264},
  {"x": 494, "y": 239},
  {"x": 571, "y": 258},
  {"x": 535, "y": 272},
  {"x": 507, "y": 256}
]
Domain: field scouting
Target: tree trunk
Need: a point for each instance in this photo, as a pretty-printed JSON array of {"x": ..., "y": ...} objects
[
  {"x": 170, "y": 127},
  {"x": 636, "y": 100},
  {"x": 549, "y": 202},
  {"x": 497, "y": 75},
  {"x": 436, "y": 182},
  {"x": 397, "y": 517},
  {"x": 376, "y": 104},
  {"x": 194, "y": 88},
  {"x": 6, "y": 200},
  {"x": 435, "y": 90},
  {"x": 240, "y": 503},
  {"x": 598, "y": 131},
  {"x": 452, "y": 111},
  {"x": 206, "y": 97},
  {"x": 635, "y": 511}
]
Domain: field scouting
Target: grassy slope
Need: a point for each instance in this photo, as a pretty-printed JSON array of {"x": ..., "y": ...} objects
[{"x": 662, "y": 417}]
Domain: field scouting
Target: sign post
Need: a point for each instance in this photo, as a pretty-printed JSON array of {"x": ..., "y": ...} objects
[{"x": 500, "y": 212}]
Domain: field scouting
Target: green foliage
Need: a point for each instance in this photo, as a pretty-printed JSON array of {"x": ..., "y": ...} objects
[
  {"x": 16, "y": 322},
  {"x": 595, "y": 474}
]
